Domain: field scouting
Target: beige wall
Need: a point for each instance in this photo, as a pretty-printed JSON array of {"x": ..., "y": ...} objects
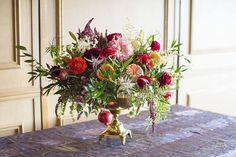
[{"x": 113, "y": 15}]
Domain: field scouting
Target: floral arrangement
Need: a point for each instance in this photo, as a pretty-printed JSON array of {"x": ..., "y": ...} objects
[{"x": 97, "y": 68}]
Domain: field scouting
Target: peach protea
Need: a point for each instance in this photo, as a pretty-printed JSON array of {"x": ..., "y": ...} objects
[{"x": 134, "y": 70}]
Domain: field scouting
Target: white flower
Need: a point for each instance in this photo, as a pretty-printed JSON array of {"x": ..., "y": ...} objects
[
  {"x": 125, "y": 85},
  {"x": 86, "y": 43},
  {"x": 95, "y": 61}
]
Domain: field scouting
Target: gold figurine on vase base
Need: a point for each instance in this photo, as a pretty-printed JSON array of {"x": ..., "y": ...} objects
[{"x": 116, "y": 128}]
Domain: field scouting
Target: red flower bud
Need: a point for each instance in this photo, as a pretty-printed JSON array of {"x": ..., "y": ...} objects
[
  {"x": 155, "y": 46},
  {"x": 167, "y": 96}
]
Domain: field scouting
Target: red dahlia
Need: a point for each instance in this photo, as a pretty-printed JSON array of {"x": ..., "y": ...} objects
[
  {"x": 109, "y": 51},
  {"x": 143, "y": 80},
  {"x": 115, "y": 36},
  {"x": 77, "y": 65}
]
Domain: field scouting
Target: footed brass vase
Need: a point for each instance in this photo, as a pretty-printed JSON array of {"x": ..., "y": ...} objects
[{"x": 116, "y": 128}]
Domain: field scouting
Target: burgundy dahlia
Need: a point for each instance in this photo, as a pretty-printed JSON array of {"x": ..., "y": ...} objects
[{"x": 165, "y": 79}]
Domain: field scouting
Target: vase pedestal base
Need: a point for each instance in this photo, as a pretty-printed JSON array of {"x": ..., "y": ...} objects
[{"x": 116, "y": 128}]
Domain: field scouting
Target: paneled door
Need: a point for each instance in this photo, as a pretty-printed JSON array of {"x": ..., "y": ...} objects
[
  {"x": 19, "y": 100},
  {"x": 208, "y": 37}
]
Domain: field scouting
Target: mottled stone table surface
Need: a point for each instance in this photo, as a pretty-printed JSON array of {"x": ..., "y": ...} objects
[{"x": 186, "y": 133}]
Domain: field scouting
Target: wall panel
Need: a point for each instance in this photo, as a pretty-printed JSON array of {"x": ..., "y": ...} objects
[
  {"x": 212, "y": 28},
  {"x": 19, "y": 100},
  {"x": 10, "y": 34},
  {"x": 207, "y": 34}
]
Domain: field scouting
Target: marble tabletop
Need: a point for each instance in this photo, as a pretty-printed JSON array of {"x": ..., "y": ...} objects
[{"x": 187, "y": 132}]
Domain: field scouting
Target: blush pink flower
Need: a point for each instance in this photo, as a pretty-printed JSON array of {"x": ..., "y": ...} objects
[{"x": 123, "y": 48}]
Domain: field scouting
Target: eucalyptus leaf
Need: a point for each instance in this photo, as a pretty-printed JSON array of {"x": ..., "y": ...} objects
[{"x": 20, "y": 47}]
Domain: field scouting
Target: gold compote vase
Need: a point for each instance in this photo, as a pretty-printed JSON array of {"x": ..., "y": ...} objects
[{"x": 116, "y": 128}]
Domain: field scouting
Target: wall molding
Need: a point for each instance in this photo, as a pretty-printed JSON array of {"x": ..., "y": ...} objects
[
  {"x": 18, "y": 93},
  {"x": 59, "y": 24},
  {"x": 16, "y": 37},
  {"x": 166, "y": 28},
  {"x": 67, "y": 119},
  {"x": 16, "y": 127}
]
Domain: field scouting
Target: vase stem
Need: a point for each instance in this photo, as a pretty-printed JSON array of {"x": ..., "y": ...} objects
[{"x": 116, "y": 128}]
